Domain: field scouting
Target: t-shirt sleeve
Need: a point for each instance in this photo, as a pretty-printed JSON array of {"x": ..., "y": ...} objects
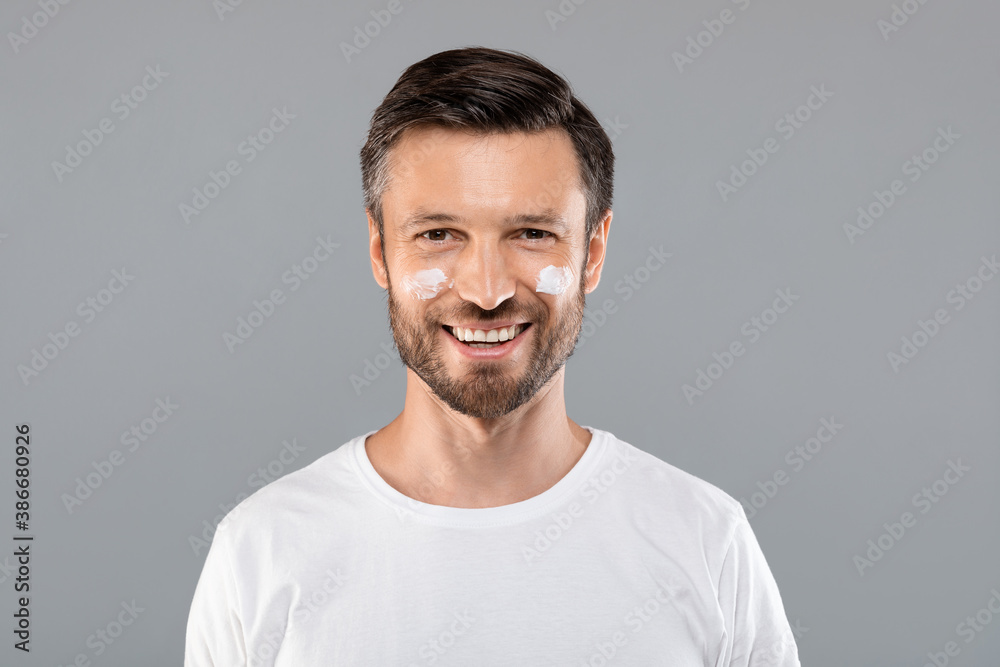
[
  {"x": 757, "y": 631},
  {"x": 214, "y": 635}
]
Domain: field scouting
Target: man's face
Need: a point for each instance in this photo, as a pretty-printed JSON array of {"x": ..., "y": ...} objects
[{"x": 475, "y": 226}]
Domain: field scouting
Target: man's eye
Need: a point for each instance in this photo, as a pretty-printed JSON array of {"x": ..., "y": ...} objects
[
  {"x": 434, "y": 234},
  {"x": 439, "y": 235}
]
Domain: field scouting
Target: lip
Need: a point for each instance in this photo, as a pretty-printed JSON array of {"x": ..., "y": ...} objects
[{"x": 497, "y": 352}]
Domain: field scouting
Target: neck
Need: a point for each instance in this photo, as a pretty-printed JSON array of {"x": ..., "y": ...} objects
[{"x": 435, "y": 455}]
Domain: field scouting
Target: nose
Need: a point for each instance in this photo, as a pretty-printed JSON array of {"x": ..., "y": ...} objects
[{"x": 484, "y": 276}]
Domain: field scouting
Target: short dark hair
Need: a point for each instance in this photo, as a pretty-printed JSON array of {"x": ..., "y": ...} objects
[{"x": 487, "y": 91}]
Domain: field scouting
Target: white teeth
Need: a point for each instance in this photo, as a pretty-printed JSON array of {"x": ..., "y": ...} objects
[{"x": 491, "y": 336}]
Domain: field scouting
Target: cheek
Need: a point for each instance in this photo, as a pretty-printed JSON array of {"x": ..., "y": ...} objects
[
  {"x": 425, "y": 284},
  {"x": 553, "y": 279}
]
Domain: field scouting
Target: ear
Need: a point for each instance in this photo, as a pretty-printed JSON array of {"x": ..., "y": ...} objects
[
  {"x": 596, "y": 251},
  {"x": 375, "y": 252}
]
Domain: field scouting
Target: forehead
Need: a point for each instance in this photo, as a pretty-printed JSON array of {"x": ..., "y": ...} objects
[{"x": 435, "y": 168}]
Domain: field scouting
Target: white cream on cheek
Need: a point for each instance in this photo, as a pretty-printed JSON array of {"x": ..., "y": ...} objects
[
  {"x": 426, "y": 284},
  {"x": 554, "y": 279}
]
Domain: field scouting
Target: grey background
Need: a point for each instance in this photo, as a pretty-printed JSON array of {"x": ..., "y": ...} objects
[{"x": 678, "y": 133}]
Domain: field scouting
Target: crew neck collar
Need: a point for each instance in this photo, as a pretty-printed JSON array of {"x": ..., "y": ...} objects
[{"x": 479, "y": 517}]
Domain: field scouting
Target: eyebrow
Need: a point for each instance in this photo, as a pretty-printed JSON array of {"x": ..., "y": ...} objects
[{"x": 547, "y": 217}]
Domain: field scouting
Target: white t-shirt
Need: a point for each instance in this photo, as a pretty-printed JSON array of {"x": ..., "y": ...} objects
[{"x": 627, "y": 560}]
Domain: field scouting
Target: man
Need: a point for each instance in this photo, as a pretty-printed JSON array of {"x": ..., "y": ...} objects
[{"x": 483, "y": 526}]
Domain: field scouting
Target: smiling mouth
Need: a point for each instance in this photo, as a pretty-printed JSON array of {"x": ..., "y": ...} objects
[{"x": 491, "y": 338}]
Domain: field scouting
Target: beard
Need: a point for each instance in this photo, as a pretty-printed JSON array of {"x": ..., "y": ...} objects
[{"x": 489, "y": 388}]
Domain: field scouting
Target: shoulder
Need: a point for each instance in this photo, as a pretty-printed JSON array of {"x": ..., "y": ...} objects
[
  {"x": 672, "y": 498},
  {"x": 316, "y": 490}
]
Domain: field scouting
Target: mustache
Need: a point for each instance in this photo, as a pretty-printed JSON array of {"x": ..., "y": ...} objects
[{"x": 474, "y": 313}]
